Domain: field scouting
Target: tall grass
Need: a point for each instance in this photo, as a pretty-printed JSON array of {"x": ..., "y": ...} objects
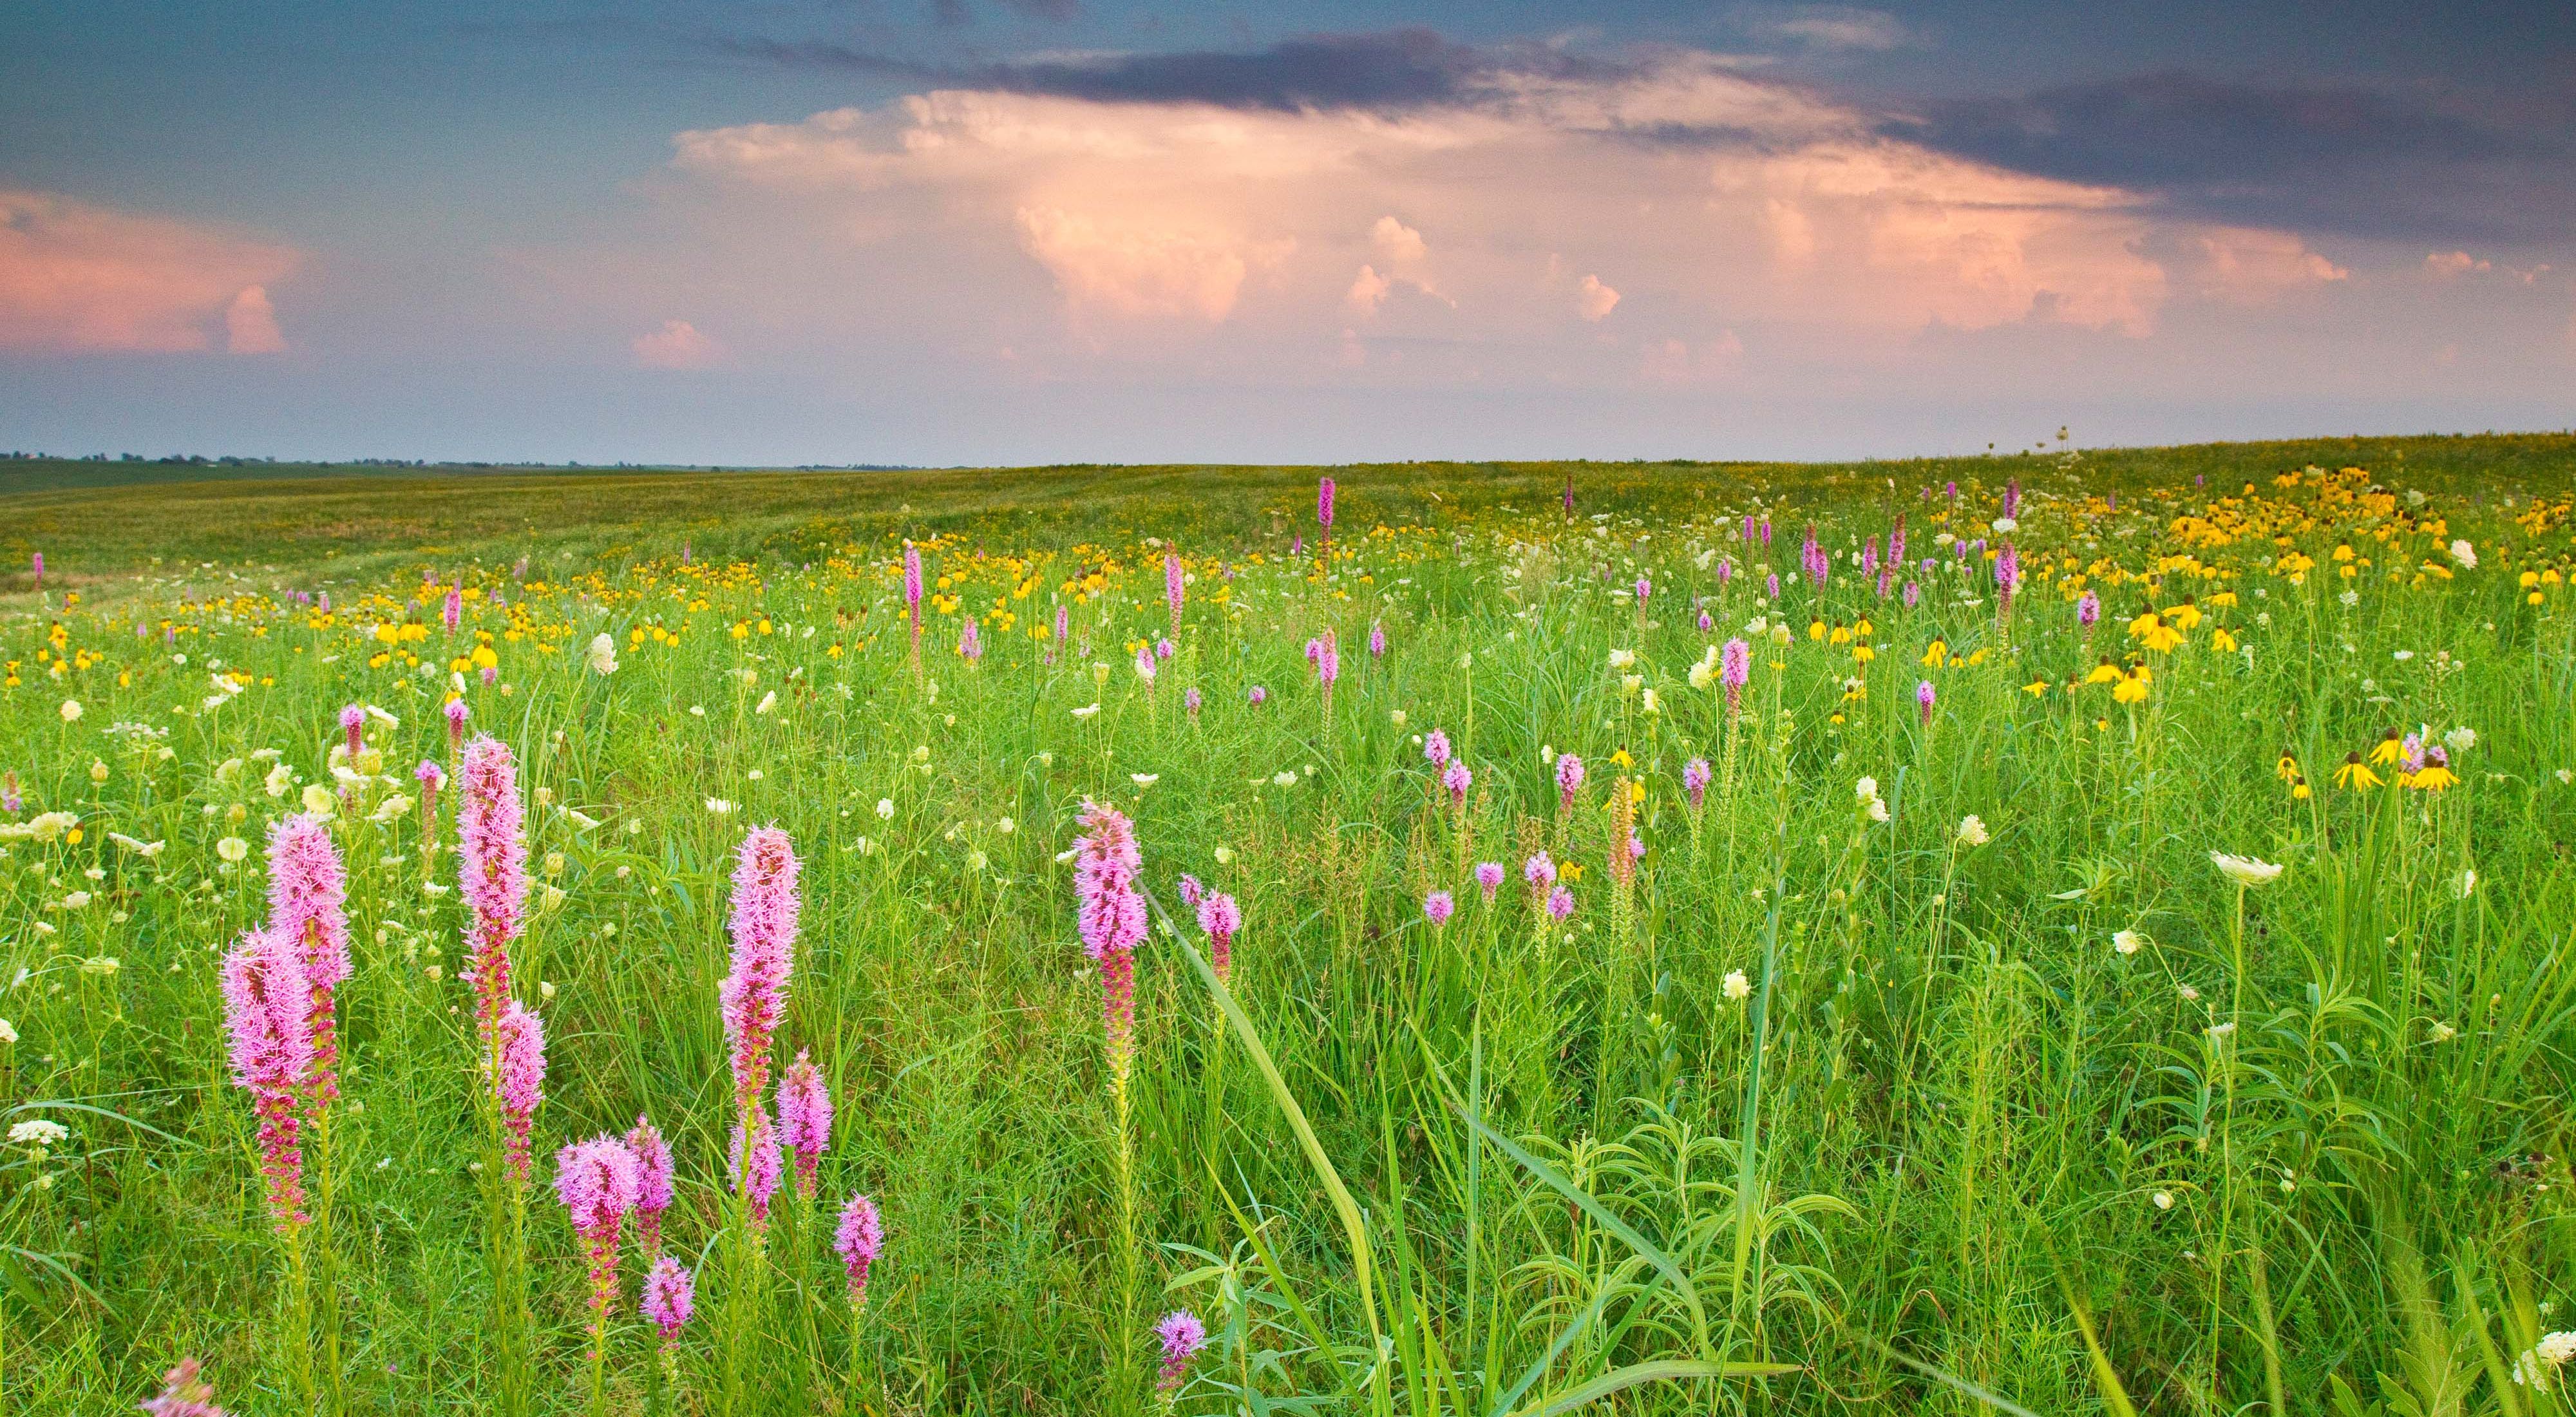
[{"x": 1946, "y": 1146}]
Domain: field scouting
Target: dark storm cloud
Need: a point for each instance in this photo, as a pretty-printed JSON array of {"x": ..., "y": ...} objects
[
  {"x": 1397, "y": 69},
  {"x": 2407, "y": 163}
]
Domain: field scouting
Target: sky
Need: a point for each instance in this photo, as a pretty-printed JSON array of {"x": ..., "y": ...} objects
[{"x": 945, "y": 232}]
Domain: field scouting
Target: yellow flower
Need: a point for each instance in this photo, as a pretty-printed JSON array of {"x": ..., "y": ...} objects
[
  {"x": 2131, "y": 689},
  {"x": 2104, "y": 673},
  {"x": 2160, "y": 636},
  {"x": 2299, "y": 790},
  {"x": 2221, "y": 641},
  {"x": 2434, "y": 778},
  {"x": 2035, "y": 687},
  {"x": 1573, "y": 870},
  {"x": 1621, "y": 759},
  {"x": 1934, "y": 656},
  {"x": 2287, "y": 768},
  {"x": 1815, "y": 629},
  {"x": 2184, "y": 616},
  {"x": 2391, "y": 749}
]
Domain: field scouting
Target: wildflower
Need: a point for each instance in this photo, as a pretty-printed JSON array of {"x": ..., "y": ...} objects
[
  {"x": 1145, "y": 667},
  {"x": 492, "y": 863},
  {"x": 2355, "y": 775},
  {"x": 1539, "y": 871},
  {"x": 232, "y": 850},
  {"x": 2244, "y": 870},
  {"x": 71, "y": 710},
  {"x": 1435, "y": 748},
  {"x": 805, "y": 1119},
  {"x": 1437, "y": 907},
  {"x": 1695, "y": 780},
  {"x": 754, "y": 992},
  {"x": 1457, "y": 779},
  {"x": 1569, "y": 779},
  {"x": 858, "y": 1239},
  {"x": 2127, "y": 942},
  {"x": 2538, "y": 1366},
  {"x": 603, "y": 654},
  {"x": 1377, "y": 641},
  {"x": 1190, "y": 700},
  {"x": 1172, "y": 587},
  {"x": 519, "y": 1081},
  {"x": 1560, "y": 903},
  {"x": 1327, "y": 655},
  {"x": 183, "y": 1393},
  {"x": 2465, "y": 554},
  {"x": 598, "y": 1182},
  {"x": 755, "y": 1168},
  {"x": 1111, "y": 917},
  {"x": 2088, "y": 610},
  {"x": 1222, "y": 919},
  {"x": 268, "y": 1011},
  {"x": 652, "y": 1184},
  {"x": 1738, "y": 988},
  {"x": 1972, "y": 830},
  {"x": 912, "y": 594},
  {"x": 1144, "y": 779},
  {"x": 1183, "y": 1336},
  {"x": 1489, "y": 878},
  {"x": 1924, "y": 697},
  {"x": 2390, "y": 750},
  {"x": 1256, "y": 695},
  {"x": 1324, "y": 503},
  {"x": 306, "y": 892},
  {"x": 39, "y": 1132},
  {"x": 670, "y": 1299},
  {"x": 2436, "y": 774}
]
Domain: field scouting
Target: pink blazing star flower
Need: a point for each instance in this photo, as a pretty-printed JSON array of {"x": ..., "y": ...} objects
[
  {"x": 858, "y": 1240},
  {"x": 805, "y": 1119},
  {"x": 1183, "y": 1336},
  {"x": 754, "y": 992},
  {"x": 1222, "y": 919},
  {"x": 268, "y": 1012},
  {"x": 521, "y": 1083},
  {"x": 1489, "y": 878},
  {"x": 492, "y": 862},
  {"x": 670, "y": 1299},
  {"x": 652, "y": 1184}
]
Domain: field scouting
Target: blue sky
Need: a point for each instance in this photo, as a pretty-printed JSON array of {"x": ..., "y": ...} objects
[{"x": 975, "y": 231}]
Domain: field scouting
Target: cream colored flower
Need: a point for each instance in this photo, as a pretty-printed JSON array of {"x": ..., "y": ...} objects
[
  {"x": 1972, "y": 830},
  {"x": 1737, "y": 986},
  {"x": 2128, "y": 942},
  {"x": 2245, "y": 870},
  {"x": 233, "y": 849}
]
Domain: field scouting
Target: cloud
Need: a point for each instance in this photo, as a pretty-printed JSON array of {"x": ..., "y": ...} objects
[
  {"x": 1396, "y": 242},
  {"x": 677, "y": 345},
  {"x": 2348, "y": 158},
  {"x": 2454, "y": 263},
  {"x": 79, "y": 277},
  {"x": 1368, "y": 291},
  {"x": 2257, "y": 267},
  {"x": 1593, "y": 300},
  {"x": 1826, "y": 26},
  {"x": 1727, "y": 199},
  {"x": 1138, "y": 266},
  {"x": 250, "y": 324},
  {"x": 1675, "y": 363}
]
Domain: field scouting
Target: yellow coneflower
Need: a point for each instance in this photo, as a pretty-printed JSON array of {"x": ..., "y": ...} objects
[
  {"x": 2391, "y": 750},
  {"x": 2221, "y": 641},
  {"x": 2433, "y": 777},
  {"x": 1936, "y": 654},
  {"x": 1815, "y": 629},
  {"x": 2104, "y": 673},
  {"x": 2132, "y": 688},
  {"x": 2161, "y": 636},
  {"x": 2299, "y": 789},
  {"x": 2286, "y": 768},
  {"x": 2147, "y": 620},
  {"x": 2355, "y": 774},
  {"x": 2035, "y": 687},
  {"x": 2185, "y": 615}
]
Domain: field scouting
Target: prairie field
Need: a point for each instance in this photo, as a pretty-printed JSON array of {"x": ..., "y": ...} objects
[{"x": 2073, "y": 933}]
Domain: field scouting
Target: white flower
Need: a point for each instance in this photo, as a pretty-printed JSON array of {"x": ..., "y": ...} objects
[
  {"x": 2465, "y": 554},
  {"x": 145, "y": 849},
  {"x": 2219, "y": 1032},
  {"x": 1623, "y": 659},
  {"x": 697, "y": 710},
  {"x": 603, "y": 653},
  {"x": 100, "y": 965},
  {"x": 1144, "y": 779},
  {"x": 1972, "y": 830},
  {"x": 232, "y": 848},
  {"x": 719, "y": 807},
  {"x": 39, "y": 1131},
  {"x": 1877, "y": 809},
  {"x": 885, "y": 809},
  {"x": 2005, "y": 526},
  {"x": 1650, "y": 703},
  {"x": 1283, "y": 779},
  {"x": 1086, "y": 711},
  {"x": 2128, "y": 942},
  {"x": 1737, "y": 986},
  {"x": 2164, "y": 1200},
  {"x": 2245, "y": 870},
  {"x": 1866, "y": 789},
  {"x": 8, "y": 1031},
  {"x": 318, "y": 800},
  {"x": 1397, "y": 718},
  {"x": 1006, "y": 826},
  {"x": 2566, "y": 776},
  {"x": 2460, "y": 740},
  {"x": 767, "y": 702},
  {"x": 2442, "y": 1032},
  {"x": 382, "y": 717},
  {"x": 976, "y": 860},
  {"x": 76, "y": 900},
  {"x": 280, "y": 778},
  {"x": 2190, "y": 995},
  {"x": 71, "y": 710},
  {"x": 1224, "y": 855},
  {"x": 1780, "y": 634}
]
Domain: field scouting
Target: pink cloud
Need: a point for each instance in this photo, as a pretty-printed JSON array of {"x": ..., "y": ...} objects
[
  {"x": 1397, "y": 243},
  {"x": 1593, "y": 300},
  {"x": 250, "y": 324},
  {"x": 2250, "y": 266},
  {"x": 2454, "y": 263},
  {"x": 677, "y": 345},
  {"x": 79, "y": 277},
  {"x": 1673, "y": 363},
  {"x": 1368, "y": 291}
]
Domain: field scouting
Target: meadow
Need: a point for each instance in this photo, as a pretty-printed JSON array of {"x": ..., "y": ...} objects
[{"x": 2067, "y": 933}]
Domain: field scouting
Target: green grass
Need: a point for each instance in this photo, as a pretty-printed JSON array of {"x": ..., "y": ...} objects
[{"x": 1951, "y": 1149}]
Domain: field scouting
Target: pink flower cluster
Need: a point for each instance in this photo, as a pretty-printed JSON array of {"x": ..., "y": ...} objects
[
  {"x": 805, "y": 1119},
  {"x": 754, "y": 993},
  {"x": 1110, "y": 913},
  {"x": 858, "y": 1239},
  {"x": 492, "y": 863}
]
